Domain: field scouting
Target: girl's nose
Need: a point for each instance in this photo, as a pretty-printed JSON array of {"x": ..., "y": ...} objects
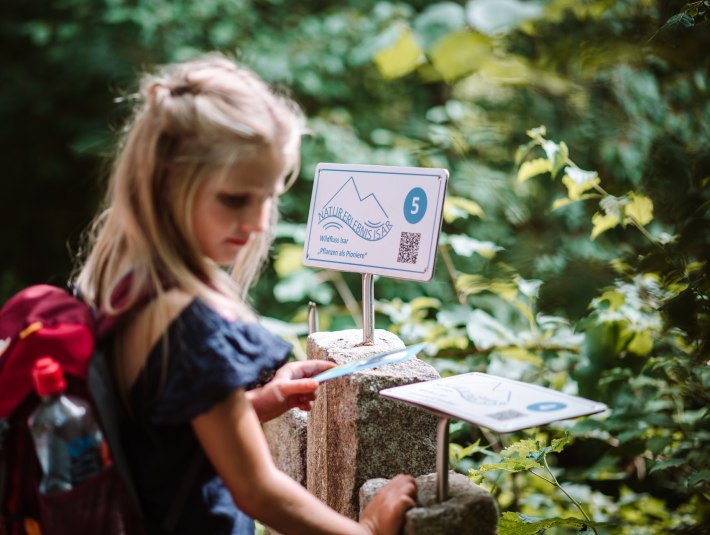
[{"x": 257, "y": 218}]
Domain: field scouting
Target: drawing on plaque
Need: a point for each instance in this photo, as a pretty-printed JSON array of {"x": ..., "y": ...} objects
[
  {"x": 486, "y": 395},
  {"x": 365, "y": 216}
]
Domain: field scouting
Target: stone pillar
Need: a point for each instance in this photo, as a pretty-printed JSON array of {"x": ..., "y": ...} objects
[
  {"x": 470, "y": 510},
  {"x": 354, "y": 434},
  {"x": 286, "y": 436}
]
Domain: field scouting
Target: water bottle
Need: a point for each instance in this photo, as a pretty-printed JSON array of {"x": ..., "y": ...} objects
[{"x": 67, "y": 439}]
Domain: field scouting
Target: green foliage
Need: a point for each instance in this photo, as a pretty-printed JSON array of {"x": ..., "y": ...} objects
[
  {"x": 573, "y": 255},
  {"x": 520, "y": 524}
]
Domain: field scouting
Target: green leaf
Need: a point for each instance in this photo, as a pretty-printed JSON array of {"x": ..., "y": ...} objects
[
  {"x": 558, "y": 444},
  {"x": 679, "y": 21},
  {"x": 522, "y": 448},
  {"x": 400, "y": 58},
  {"x": 522, "y": 151},
  {"x": 576, "y": 188},
  {"x": 459, "y": 53},
  {"x": 460, "y": 207},
  {"x": 538, "y": 132},
  {"x": 520, "y": 524},
  {"x": 665, "y": 465},
  {"x": 486, "y": 332},
  {"x": 641, "y": 344},
  {"x": 466, "y": 246},
  {"x": 603, "y": 222},
  {"x": 532, "y": 168},
  {"x": 557, "y": 154},
  {"x": 615, "y": 299},
  {"x": 289, "y": 259},
  {"x": 640, "y": 209},
  {"x": 703, "y": 476},
  {"x": 508, "y": 465},
  {"x": 437, "y": 21},
  {"x": 499, "y": 16}
]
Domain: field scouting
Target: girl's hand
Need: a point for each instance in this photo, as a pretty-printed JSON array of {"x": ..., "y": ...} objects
[
  {"x": 384, "y": 515},
  {"x": 290, "y": 387}
]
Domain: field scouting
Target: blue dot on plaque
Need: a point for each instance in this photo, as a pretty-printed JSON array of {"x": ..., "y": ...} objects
[
  {"x": 547, "y": 406},
  {"x": 415, "y": 205}
]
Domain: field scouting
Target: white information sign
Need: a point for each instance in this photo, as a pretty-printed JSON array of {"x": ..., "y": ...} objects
[
  {"x": 496, "y": 403},
  {"x": 382, "y": 220}
]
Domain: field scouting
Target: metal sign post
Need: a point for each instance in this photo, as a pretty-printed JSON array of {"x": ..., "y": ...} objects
[
  {"x": 442, "y": 459},
  {"x": 368, "y": 309},
  {"x": 312, "y": 318}
]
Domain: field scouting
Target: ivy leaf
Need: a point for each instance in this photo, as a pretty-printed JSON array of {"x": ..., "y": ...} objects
[
  {"x": 533, "y": 168},
  {"x": 400, "y": 58}
]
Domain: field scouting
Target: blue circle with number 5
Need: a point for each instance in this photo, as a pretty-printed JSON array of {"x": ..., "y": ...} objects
[
  {"x": 415, "y": 205},
  {"x": 547, "y": 406}
]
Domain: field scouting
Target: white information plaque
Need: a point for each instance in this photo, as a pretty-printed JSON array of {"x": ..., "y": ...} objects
[
  {"x": 382, "y": 220},
  {"x": 497, "y": 403}
]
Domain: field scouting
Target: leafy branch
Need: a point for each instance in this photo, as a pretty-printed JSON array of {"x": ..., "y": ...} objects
[
  {"x": 634, "y": 208},
  {"x": 526, "y": 456}
]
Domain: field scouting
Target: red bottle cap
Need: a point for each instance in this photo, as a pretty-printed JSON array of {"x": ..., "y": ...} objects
[{"x": 48, "y": 377}]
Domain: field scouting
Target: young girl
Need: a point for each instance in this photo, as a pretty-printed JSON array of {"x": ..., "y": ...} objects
[{"x": 193, "y": 190}]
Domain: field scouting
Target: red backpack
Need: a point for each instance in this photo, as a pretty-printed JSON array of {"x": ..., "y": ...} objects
[{"x": 46, "y": 320}]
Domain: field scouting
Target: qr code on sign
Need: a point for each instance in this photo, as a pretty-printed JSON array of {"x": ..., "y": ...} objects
[{"x": 408, "y": 247}]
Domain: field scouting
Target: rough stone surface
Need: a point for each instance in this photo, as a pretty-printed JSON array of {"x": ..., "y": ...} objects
[
  {"x": 470, "y": 510},
  {"x": 286, "y": 436},
  {"x": 354, "y": 434}
]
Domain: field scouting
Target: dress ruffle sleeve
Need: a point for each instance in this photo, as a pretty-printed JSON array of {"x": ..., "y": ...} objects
[{"x": 208, "y": 357}]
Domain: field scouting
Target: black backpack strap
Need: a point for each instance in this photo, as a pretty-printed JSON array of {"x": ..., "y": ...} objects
[
  {"x": 103, "y": 390},
  {"x": 108, "y": 403}
]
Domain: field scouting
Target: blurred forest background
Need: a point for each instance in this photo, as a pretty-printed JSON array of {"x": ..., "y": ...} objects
[{"x": 574, "y": 251}]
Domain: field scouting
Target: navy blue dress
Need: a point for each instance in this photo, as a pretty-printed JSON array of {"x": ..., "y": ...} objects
[{"x": 208, "y": 357}]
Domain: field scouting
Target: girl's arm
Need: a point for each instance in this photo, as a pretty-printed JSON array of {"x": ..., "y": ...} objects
[{"x": 231, "y": 436}]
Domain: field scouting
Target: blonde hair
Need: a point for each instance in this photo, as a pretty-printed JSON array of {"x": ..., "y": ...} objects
[{"x": 192, "y": 119}]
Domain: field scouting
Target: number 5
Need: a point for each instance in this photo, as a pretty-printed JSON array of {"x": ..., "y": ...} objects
[{"x": 415, "y": 205}]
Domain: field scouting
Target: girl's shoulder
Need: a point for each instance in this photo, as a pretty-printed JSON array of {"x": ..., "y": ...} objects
[{"x": 145, "y": 328}]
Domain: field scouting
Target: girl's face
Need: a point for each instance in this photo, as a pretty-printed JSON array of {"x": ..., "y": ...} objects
[{"x": 229, "y": 210}]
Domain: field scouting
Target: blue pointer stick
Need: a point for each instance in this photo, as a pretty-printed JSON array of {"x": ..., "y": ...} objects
[{"x": 373, "y": 361}]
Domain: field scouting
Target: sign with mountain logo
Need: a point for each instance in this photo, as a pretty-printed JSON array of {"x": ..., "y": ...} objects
[{"x": 383, "y": 220}]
